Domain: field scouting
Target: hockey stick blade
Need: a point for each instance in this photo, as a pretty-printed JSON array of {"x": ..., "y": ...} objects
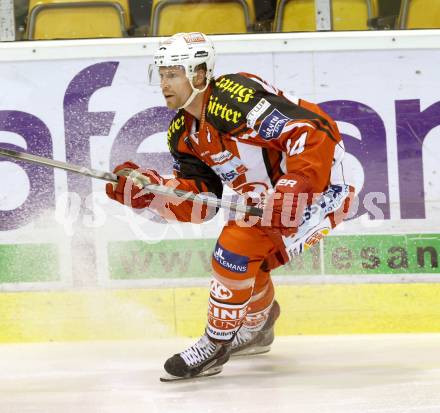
[{"x": 155, "y": 189}]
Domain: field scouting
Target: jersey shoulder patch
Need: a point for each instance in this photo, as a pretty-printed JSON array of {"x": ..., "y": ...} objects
[{"x": 175, "y": 130}]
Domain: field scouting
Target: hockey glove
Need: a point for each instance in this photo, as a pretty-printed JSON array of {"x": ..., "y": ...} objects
[
  {"x": 284, "y": 208},
  {"x": 128, "y": 191}
]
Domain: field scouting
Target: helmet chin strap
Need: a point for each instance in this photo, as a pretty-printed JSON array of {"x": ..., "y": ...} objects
[{"x": 194, "y": 93}]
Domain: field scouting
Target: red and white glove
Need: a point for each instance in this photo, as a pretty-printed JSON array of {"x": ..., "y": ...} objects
[
  {"x": 127, "y": 191},
  {"x": 284, "y": 208}
]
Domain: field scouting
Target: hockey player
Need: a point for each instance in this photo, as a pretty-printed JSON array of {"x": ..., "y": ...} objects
[{"x": 280, "y": 151}]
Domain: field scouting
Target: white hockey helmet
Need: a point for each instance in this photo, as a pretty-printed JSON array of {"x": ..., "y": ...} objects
[{"x": 188, "y": 50}]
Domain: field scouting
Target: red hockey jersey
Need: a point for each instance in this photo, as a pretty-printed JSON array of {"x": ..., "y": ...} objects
[{"x": 249, "y": 135}]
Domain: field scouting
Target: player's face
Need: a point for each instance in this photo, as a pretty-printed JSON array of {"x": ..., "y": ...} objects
[{"x": 175, "y": 86}]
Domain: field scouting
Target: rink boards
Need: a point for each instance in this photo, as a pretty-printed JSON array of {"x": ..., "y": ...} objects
[
  {"x": 74, "y": 265},
  {"x": 168, "y": 312},
  {"x": 412, "y": 257}
]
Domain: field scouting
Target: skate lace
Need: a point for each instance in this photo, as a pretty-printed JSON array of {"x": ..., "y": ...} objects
[
  {"x": 243, "y": 336},
  {"x": 200, "y": 351}
]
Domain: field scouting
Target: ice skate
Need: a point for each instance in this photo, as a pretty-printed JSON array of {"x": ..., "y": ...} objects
[
  {"x": 247, "y": 342},
  {"x": 204, "y": 358}
]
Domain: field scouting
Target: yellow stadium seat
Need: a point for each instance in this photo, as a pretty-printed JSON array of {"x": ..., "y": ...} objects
[
  {"x": 64, "y": 19},
  {"x": 420, "y": 14},
  {"x": 299, "y": 15},
  {"x": 212, "y": 17}
]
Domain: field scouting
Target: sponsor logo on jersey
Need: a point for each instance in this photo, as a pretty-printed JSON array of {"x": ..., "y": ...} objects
[
  {"x": 256, "y": 112},
  {"x": 175, "y": 126},
  {"x": 228, "y": 176},
  {"x": 315, "y": 238},
  {"x": 250, "y": 133},
  {"x": 229, "y": 260},
  {"x": 223, "y": 111},
  {"x": 194, "y": 38},
  {"x": 221, "y": 335},
  {"x": 237, "y": 91},
  {"x": 221, "y": 156},
  {"x": 230, "y": 170},
  {"x": 219, "y": 291},
  {"x": 256, "y": 320},
  {"x": 286, "y": 182},
  {"x": 224, "y": 319},
  {"x": 228, "y": 312},
  {"x": 272, "y": 125}
]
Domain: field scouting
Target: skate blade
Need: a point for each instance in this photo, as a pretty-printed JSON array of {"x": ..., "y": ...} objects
[
  {"x": 210, "y": 372},
  {"x": 252, "y": 351}
]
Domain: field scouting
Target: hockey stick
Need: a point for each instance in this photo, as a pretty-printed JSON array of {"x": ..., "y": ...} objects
[{"x": 155, "y": 189}]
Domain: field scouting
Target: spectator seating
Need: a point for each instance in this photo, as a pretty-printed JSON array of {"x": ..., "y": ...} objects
[
  {"x": 64, "y": 19},
  {"x": 211, "y": 17},
  {"x": 419, "y": 14},
  {"x": 299, "y": 15}
]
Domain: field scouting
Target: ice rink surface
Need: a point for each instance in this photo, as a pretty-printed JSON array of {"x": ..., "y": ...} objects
[{"x": 324, "y": 374}]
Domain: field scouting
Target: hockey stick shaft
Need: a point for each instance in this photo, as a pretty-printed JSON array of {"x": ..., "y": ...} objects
[{"x": 155, "y": 189}]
